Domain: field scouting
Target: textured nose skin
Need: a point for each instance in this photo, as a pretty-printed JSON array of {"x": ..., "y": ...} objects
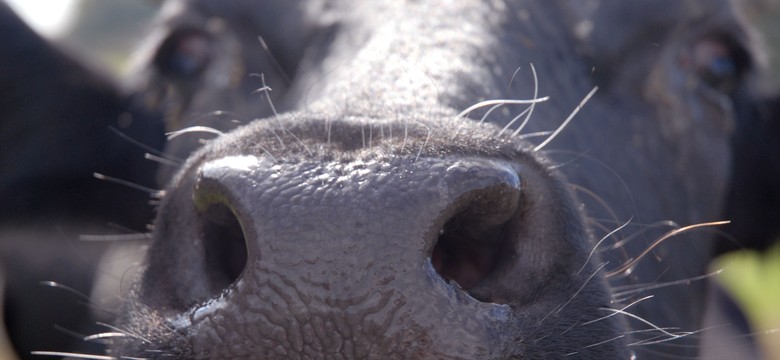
[
  {"x": 343, "y": 252},
  {"x": 367, "y": 255},
  {"x": 464, "y": 201}
]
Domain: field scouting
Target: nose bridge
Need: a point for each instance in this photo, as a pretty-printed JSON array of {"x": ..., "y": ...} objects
[{"x": 409, "y": 72}]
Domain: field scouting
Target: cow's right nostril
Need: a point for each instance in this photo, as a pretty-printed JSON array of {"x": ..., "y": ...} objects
[{"x": 476, "y": 240}]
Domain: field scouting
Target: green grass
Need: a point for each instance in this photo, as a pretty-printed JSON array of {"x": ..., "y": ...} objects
[{"x": 754, "y": 280}]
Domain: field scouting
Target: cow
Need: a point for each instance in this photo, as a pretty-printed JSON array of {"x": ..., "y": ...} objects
[
  {"x": 497, "y": 180},
  {"x": 506, "y": 179}
]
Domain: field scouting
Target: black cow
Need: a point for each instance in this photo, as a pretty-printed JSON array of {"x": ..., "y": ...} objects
[
  {"x": 377, "y": 214},
  {"x": 508, "y": 179}
]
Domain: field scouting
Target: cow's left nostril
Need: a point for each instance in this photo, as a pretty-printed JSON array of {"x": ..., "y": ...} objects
[
  {"x": 475, "y": 242},
  {"x": 224, "y": 245},
  {"x": 220, "y": 222}
]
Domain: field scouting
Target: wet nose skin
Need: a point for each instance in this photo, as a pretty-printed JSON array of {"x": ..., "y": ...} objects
[
  {"x": 373, "y": 256},
  {"x": 341, "y": 247}
]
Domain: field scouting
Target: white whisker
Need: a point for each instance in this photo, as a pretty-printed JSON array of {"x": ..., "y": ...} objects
[
  {"x": 105, "y": 335},
  {"x": 73, "y": 355},
  {"x": 661, "y": 339},
  {"x": 534, "y": 134},
  {"x": 162, "y": 160},
  {"x": 653, "y": 326},
  {"x": 615, "y": 313},
  {"x": 266, "y": 90},
  {"x": 132, "y": 185},
  {"x": 265, "y": 151},
  {"x": 531, "y": 108},
  {"x": 127, "y": 333},
  {"x": 595, "y": 247},
  {"x": 559, "y": 308},
  {"x": 363, "y": 134},
  {"x": 605, "y": 341},
  {"x": 514, "y": 119},
  {"x": 566, "y": 122},
  {"x": 138, "y": 143},
  {"x": 512, "y": 79},
  {"x": 629, "y": 265},
  {"x": 115, "y": 237},
  {"x": 193, "y": 129},
  {"x": 427, "y": 138},
  {"x": 275, "y": 62},
  {"x": 486, "y": 103},
  {"x": 638, "y": 288},
  {"x": 643, "y": 229}
]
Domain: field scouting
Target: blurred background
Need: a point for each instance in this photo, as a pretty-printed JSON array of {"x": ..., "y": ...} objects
[{"x": 105, "y": 32}]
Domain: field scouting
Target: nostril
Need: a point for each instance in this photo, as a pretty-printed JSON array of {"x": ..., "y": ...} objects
[
  {"x": 224, "y": 245},
  {"x": 475, "y": 241},
  {"x": 463, "y": 256},
  {"x": 221, "y": 226}
]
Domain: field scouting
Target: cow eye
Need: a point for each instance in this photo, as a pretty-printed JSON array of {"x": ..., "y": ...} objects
[
  {"x": 718, "y": 62},
  {"x": 185, "y": 54}
]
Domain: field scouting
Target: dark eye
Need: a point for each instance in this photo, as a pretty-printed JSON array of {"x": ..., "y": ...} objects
[
  {"x": 185, "y": 54},
  {"x": 719, "y": 62}
]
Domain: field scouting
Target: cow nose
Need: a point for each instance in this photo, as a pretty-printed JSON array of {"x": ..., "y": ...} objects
[{"x": 470, "y": 206}]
